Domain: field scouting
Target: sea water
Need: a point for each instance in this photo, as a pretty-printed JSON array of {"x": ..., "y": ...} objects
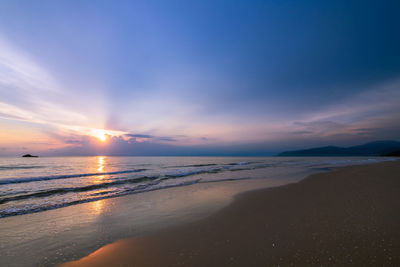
[{"x": 36, "y": 184}]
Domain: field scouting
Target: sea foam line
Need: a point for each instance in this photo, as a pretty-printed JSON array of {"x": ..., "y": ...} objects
[
  {"x": 55, "y": 177},
  {"x": 141, "y": 188},
  {"x": 59, "y": 191},
  {"x": 3, "y": 168}
]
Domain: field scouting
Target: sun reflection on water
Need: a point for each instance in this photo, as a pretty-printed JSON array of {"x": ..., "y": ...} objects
[
  {"x": 97, "y": 207},
  {"x": 100, "y": 164}
]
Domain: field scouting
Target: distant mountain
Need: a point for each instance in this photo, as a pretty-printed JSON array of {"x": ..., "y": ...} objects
[
  {"x": 377, "y": 148},
  {"x": 392, "y": 154}
]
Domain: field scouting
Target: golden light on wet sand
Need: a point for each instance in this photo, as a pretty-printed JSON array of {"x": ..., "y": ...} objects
[{"x": 97, "y": 206}]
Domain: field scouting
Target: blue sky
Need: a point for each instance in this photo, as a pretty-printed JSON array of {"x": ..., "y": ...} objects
[{"x": 196, "y": 77}]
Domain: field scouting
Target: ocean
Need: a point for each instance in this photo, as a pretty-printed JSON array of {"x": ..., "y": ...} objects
[{"x": 29, "y": 185}]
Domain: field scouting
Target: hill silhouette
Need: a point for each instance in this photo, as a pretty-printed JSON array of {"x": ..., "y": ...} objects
[{"x": 377, "y": 148}]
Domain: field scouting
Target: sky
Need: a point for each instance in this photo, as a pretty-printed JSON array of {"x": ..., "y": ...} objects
[{"x": 158, "y": 77}]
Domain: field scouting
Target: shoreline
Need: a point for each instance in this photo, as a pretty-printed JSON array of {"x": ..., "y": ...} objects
[
  {"x": 60, "y": 235},
  {"x": 344, "y": 217}
]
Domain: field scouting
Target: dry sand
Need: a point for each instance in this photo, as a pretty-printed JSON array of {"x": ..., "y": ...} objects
[{"x": 347, "y": 217}]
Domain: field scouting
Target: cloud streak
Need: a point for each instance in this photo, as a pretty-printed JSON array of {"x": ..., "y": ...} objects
[{"x": 20, "y": 72}]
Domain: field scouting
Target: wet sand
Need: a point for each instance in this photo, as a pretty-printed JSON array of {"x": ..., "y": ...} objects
[{"x": 346, "y": 217}]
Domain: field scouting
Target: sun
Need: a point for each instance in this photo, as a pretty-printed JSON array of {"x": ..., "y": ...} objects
[{"x": 102, "y": 137}]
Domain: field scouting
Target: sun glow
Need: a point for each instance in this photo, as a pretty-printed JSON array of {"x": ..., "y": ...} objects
[{"x": 102, "y": 137}]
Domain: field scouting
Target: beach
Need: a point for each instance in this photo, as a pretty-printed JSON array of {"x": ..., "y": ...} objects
[
  {"x": 347, "y": 217},
  {"x": 199, "y": 133}
]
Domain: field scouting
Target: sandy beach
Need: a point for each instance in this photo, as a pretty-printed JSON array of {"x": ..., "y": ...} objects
[
  {"x": 199, "y": 133},
  {"x": 345, "y": 217}
]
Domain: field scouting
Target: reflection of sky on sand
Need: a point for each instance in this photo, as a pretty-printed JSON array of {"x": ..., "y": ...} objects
[
  {"x": 190, "y": 202},
  {"x": 156, "y": 210},
  {"x": 108, "y": 255},
  {"x": 97, "y": 206}
]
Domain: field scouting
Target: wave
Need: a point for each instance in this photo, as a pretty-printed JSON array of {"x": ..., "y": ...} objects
[
  {"x": 193, "y": 165},
  {"x": 359, "y": 161},
  {"x": 120, "y": 181},
  {"x": 213, "y": 164},
  {"x": 227, "y": 180},
  {"x": 252, "y": 167},
  {"x": 110, "y": 188},
  {"x": 55, "y": 177},
  {"x": 59, "y": 191},
  {"x": 139, "y": 189},
  {"x": 3, "y": 168},
  {"x": 240, "y": 163},
  {"x": 227, "y": 167},
  {"x": 194, "y": 172}
]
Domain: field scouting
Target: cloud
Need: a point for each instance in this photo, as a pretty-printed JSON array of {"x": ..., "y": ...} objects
[
  {"x": 167, "y": 139},
  {"x": 302, "y": 132},
  {"x": 147, "y": 137},
  {"x": 73, "y": 142},
  {"x": 363, "y": 113},
  {"x": 139, "y": 135},
  {"x": 28, "y": 90},
  {"x": 21, "y": 72}
]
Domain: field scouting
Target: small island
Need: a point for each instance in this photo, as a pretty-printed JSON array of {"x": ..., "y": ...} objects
[{"x": 29, "y": 156}]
